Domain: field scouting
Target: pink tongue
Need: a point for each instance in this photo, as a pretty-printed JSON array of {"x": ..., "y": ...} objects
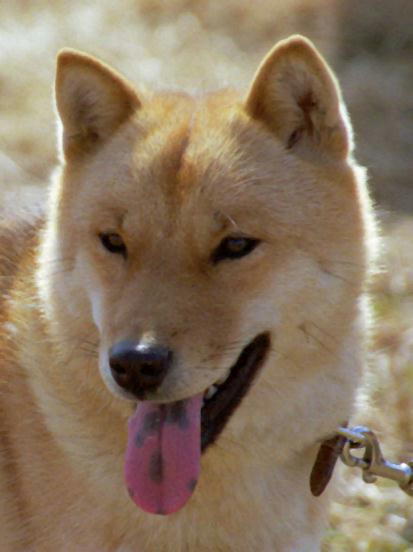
[{"x": 163, "y": 454}]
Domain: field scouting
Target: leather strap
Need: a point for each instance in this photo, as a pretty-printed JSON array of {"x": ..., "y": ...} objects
[{"x": 324, "y": 464}]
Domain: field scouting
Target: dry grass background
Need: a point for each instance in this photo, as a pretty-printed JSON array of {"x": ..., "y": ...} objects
[{"x": 205, "y": 44}]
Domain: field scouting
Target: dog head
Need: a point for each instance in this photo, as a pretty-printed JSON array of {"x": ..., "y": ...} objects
[{"x": 205, "y": 236}]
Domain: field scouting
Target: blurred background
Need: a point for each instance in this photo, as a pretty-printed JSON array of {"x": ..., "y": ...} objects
[{"x": 205, "y": 44}]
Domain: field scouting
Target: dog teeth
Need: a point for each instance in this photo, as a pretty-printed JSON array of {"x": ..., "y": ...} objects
[
  {"x": 211, "y": 391},
  {"x": 224, "y": 378}
]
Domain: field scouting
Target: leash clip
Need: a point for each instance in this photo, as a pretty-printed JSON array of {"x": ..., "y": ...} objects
[{"x": 372, "y": 462}]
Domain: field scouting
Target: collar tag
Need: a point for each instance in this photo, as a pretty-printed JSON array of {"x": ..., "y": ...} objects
[{"x": 324, "y": 464}]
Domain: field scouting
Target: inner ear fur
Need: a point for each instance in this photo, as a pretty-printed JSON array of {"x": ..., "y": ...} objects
[
  {"x": 295, "y": 94},
  {"x": 92, "y": 100}
]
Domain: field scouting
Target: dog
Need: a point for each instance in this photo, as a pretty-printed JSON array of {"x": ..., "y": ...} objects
[{"x": 186, "y": 323}]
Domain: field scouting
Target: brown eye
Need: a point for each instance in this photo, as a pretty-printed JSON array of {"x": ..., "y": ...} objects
[
  {"x": 234, "y": 247},
  {"x": 114, "y": 243}
]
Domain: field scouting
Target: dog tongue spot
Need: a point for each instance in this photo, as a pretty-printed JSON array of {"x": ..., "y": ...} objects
[{"x": 163, "y": 454}]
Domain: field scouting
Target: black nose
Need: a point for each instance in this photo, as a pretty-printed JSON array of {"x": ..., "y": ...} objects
[{"x": 139, "y": 367}]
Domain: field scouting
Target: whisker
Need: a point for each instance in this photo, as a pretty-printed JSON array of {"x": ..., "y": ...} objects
[
  {"x": 339, "y": 277},
  {"x": 305, "y": 330},
  {"x": 350, "y": 263}
]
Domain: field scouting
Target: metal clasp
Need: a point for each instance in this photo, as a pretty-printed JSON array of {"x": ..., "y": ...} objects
[{"x": 372, "y": 462}]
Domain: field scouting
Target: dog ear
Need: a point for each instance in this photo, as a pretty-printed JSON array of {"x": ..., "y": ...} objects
[
  {"x": 297, "y": 96},
  {"x": 92, "y": 101}
]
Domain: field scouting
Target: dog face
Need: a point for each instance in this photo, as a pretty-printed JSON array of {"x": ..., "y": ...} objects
[{"x": 201, "y": 229}]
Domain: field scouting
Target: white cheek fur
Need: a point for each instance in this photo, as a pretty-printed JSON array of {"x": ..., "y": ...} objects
[{"x": 96, "y": 303}]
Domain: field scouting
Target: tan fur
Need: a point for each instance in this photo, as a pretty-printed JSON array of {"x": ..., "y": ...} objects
[{"x": 174, "y": 175}]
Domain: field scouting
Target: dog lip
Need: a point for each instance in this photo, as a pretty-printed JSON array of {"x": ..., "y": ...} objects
[{"x": 219, "y": 408}]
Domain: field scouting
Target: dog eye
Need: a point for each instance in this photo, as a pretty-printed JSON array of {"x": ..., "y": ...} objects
[
  {"x": 113, "y": 243},
  {"x": 234, "y": 247}
]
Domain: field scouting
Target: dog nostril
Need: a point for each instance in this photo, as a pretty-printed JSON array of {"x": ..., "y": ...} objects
[
  {"x": 150, "y": 368},
  {"x": 120, "y": 370}
]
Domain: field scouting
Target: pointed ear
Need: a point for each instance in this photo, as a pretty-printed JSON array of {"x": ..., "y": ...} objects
[
  {"x": 92, "y": 101},
  {"x": 297, "y": 96}
]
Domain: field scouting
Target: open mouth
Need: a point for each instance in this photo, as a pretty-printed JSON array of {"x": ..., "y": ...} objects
[
  {"x": 166, "y": 440},
  {"x": 219, "y": 407}
]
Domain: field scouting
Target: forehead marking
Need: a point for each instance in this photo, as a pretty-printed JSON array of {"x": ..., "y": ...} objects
[{"x": 224, "y": 221}]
